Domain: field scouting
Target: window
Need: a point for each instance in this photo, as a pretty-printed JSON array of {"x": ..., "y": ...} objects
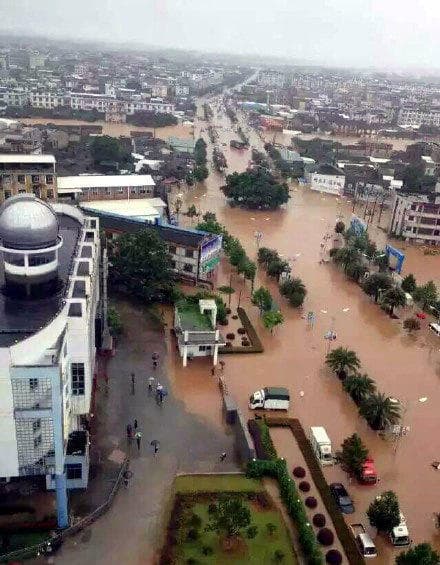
[
  {"x": 172, "y": 249},
  {"x": 204, "y": 348},
  {"x": 21, "y": 178},
  {"x": 74, "y": 471},
  {"x": 188, "y": 268},
  {"x": 35, "y": 178},
  {"x": 33, "y": 384},
  {"x": 189, "y": 253},
  {"x": 77, "y": 373},
  {"x": 49, "y": 179},
  {"x": 7, "y": 193},
  {"x": 37, "y": 441},
  {"x": 50, "y": 193},
  {"x": 36, "y": 425}
]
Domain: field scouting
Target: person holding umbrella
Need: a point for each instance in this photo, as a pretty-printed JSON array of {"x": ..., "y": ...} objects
[
  {"x": 155, "y": 443},
  {"x": 138, "y": 437}
]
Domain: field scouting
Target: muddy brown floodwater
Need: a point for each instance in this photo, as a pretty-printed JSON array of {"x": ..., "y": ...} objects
[{"x": 406, "y": 367}]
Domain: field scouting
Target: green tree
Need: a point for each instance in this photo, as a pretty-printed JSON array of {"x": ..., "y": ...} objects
[
  {"x": 359, "y": 387},
  {"x": 342, "y": 360},
  {"x": 263, "y": 299},
  {"x": 426, "y": 294},
  {"x": 256, "y": 189},
  {"x": 340, "y": 227},
  {"x": 421, "y": 554},
  {"x": 353, "y": 454},
  {"x": 106, "y": 148},
  {"x": 271, "y": 528},
  {"x": 346, "y": 256},
  {"x": 294, "y": 290},
  {"x": 380, "y": 411},
  {"x": 277, "y": 267},
  {"x": 382, "y": 261},
  {"x": 384, "y": 512},
  {"x": 200, "y": 173},
  {"x": 376, "y": 283},
  {"x": 251, "y": 532},
  {"x": 394, "y": 298},
  {"x": 272, "y": 319},
  {"x": 200, "y": 153},
  {"x": 192, "y": 211},
  {"x": 411, "y": 324},
  {"x": 230, "y": 517},
  {"x": 266, "y": 256},
  {"x": 355, "y": 270},
  {"x": 114, "y": 321},
  {"x": 409, "y": 284},
  {"x": 279, "y": 556},
  {"x": 141, "y": 265},
  {"x": 236, "y": 254},
  {"x": 249, "y": 270}
]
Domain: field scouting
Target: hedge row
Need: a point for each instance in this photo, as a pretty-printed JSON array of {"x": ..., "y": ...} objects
[
  {"x": 342, "y": 530},
  {"x": 277, "y": 469},
  {"x": 264, "y": 447},
  {"x": 256, "y": 347}
]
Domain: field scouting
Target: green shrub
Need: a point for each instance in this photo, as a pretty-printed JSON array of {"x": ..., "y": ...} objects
[
  {"x": 251, "y": 532},
  {"x": 266, "y": 440},
  {"x": 193, "y": 534},
  {"x": 207, "y": 550},
  {"x": 195, "y": 521},
  {"x": 278, "y": 556}
]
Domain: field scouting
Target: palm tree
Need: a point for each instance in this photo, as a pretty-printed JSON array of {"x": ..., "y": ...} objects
[
  {"x": 355, "y": 270},
  {"x": 377, "y": 282},
  {"x": 346, "y": 256},
  {"x": 393, "y": 298},
  {"x": 380, "y": 411},
  {"x": 341, "y": 360},
  {"x": 359, "y": 387}
]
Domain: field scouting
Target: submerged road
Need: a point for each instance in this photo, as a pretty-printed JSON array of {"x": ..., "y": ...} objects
[{"x": 406, "y": 367}]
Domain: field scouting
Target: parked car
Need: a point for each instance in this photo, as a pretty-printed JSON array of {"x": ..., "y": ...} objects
[{"x": 342, "y": 498}]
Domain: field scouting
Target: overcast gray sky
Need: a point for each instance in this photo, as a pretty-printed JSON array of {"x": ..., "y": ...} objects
[{"x": 379, "y": 33}]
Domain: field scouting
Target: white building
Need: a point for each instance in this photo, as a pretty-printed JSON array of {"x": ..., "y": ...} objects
[
  {"x": 195, "y": 328},
  {"x": 416, "y": 217},
  {"x": 106, "y": 187},
  {"x": 271, "y": 78},
  {"x": 328, "y": 179},
  {"x": 150, "y": 210},
  {"x": 50, "y": 278},
  {"x": 416, "y": 117}
]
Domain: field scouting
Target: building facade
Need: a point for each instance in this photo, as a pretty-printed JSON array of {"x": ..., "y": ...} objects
[
  {"x": 416, "y": 217},
  {"x": 50, "y": 275},
  {"x": 416, "y": 117},
  {"x": 34, "y": 174},
  {"x": 328, "y": 179},
  {"x": 85, "y": 188}
]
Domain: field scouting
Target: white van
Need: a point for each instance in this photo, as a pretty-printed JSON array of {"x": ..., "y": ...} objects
[
  {"x": 399, "y": 535},
  {"x": 435, "y": 328},
  {"x": 321, "y": 445}
]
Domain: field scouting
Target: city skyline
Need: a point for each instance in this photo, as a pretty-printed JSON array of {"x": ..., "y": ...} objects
[{"x": 369, "y": 34}]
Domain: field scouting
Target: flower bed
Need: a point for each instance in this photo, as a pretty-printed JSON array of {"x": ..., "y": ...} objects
[{"x": 255, "y": 343}]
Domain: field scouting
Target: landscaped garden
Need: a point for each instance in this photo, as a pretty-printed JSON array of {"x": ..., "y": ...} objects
[{"x": 225, "y": 519}]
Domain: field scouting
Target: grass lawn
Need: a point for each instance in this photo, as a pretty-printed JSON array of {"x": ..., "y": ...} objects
[
  {"x": 216, "y": 483},
  {"x": 26, "y": 539},
  {"x": 257, "y": 551}
]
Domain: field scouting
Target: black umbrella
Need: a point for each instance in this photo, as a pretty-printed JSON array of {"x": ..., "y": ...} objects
[{"x": 155, "y": 443}]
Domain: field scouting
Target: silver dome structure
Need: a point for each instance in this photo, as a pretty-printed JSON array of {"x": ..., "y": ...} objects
[{"x": 26, "y": 222}]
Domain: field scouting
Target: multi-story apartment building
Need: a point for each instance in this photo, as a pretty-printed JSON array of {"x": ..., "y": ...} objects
[
  {"x": 416, "y": 217},
  {"x": 27, "y": 173},
  {"x": 49, "y": 328},
  {"x": 417, "y": 117},
  {"x": 271, "y": 78},
  {"x": 106, "y": 187}
]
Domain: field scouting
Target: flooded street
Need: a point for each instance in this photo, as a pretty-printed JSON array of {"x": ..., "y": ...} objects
[
  {"x": 406, "y": 367},
  {"x": 114, "y": 129}
]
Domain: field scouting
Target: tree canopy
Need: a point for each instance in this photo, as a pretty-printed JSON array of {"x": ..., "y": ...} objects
[
  {"x": 422, "y": 554},
  {"x": 263, "y": 299},
  {"x": 272, "y": 319},
  {"x": 229, "y": 517},
  {"x": 141, "y": 265},
  {"x": 353, "y": 454},
  {"x": 256, "y": 189},
  {"x": 106, "y": 148},
  {"x": 384, "y": 512}
]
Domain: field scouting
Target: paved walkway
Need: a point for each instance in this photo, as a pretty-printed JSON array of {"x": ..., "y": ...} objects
[{"x": 131, "y": 532}]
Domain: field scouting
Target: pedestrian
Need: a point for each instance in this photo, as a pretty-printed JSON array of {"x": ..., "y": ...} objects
[
  {"x": 129, "y": 432},
  {"x": 213, "y": 371},
  {"x": 150, "y": 385},
  {"x": 161, "y": 395},
  {"x": 156, "y": 449},
  {"x": 133, "y": 379},
  {"x": 138, "y": 436},
  {"x": 155, "y": 364},
  {"x": 223, "y": 456},
  {"x": 135, "y": 425}
]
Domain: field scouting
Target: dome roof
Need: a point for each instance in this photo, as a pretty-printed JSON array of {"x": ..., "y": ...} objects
[{"x": 27, "y": 223}]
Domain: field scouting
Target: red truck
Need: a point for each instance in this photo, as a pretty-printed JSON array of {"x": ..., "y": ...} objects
[{"x": 368, "y": 474}]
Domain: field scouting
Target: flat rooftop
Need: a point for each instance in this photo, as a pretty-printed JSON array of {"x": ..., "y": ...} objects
[
  {"x": 191, "y": 319},
  {"x": 21, "y": 158},
  {"x": 103, "y": 181},
  {"x": 133, "y": 208},
  {"x": 22, "y": 317}
]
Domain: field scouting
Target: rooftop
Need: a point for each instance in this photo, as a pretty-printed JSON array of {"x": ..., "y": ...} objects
[
  {"x": 21, "y": 317},
  {"x": 191, "y": 319},
  {"x": 21, "y": 158},
  {"x": 135, "y": 207},
  {"x": 103, "y": 181}
]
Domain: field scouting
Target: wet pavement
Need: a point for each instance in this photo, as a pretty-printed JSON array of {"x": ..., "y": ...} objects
[
  {"x": 131, "y": 532},
  {"x": 406, "y": 367}
]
